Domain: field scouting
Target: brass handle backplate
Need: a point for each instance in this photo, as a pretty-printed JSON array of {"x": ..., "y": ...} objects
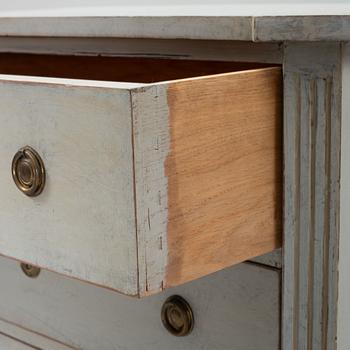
[
  {"x": 177, "y": 316},
  {"x": 28, "y": 171}
]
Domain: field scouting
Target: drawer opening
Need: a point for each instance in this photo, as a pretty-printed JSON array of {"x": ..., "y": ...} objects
[{"x": 120, "y": 69}]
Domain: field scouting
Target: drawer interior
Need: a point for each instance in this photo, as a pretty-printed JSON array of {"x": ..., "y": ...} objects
[{"x": 123, "y": 69}]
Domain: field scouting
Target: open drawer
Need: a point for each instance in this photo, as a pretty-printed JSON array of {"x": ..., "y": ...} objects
[{"x": 142, "y": 173}]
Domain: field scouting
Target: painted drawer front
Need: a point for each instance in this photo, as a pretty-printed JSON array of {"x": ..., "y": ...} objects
[
  {"x": 21, "y": 338},
  {"x": 237, "y": 308},
  {"x": 149, "y": 185},
  {"x": 82, "y": 224},
  {"x": 8, "y": 343}
]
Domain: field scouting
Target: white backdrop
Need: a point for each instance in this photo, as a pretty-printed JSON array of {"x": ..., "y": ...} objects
[{"x": 171, "y": 7}]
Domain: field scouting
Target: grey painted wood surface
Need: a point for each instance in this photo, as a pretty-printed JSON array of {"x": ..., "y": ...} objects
[
  {"x": 151, "y": 148},
  {"x": 243, "y": 28},
  {"x": 237, "y": 308},
  {"x": 302, "y": 28},
  {"x": 9, "y": 343},
  {"x": 24, "y": 338},
  {"x": 174, "y": 8},
  {"x": 221, "y": 50},
  {"x": 312, "y": 89},
  {"x": 83, "y": 224},
  {"x": 343, "y": 335},
  {"x": 273, "y": 259},
  {"x": 193, "y": 27}
]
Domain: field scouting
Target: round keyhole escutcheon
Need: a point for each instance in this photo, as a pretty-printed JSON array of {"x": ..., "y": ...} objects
[
  {"x": 177, "y": 316},
  {"x": 28, "y": 171}
]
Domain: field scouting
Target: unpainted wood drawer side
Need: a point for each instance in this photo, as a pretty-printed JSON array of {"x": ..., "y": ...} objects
[{"x": 208, "y": 168}]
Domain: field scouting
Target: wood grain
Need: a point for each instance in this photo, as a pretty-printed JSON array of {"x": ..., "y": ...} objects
[
  {"x": 208, "y": 174},
  {"x": 224, "y": 171}
]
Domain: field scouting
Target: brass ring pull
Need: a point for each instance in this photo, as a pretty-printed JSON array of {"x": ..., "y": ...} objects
[
  {"x": 30, "y": 270},
  {"x": 177, "y": 316},
  {"x": 28, "y": 171}
]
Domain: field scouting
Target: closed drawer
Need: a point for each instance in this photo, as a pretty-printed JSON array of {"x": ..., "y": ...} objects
[
  {"x": 236, "y": 308},
  {"x": 157, "y": 173},
  {"x": 13, "y": 337},
  {"x": 10, "y": 343}
]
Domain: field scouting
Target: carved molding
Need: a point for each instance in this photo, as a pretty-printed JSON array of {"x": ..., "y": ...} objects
[{"x": 312, "y": 166}]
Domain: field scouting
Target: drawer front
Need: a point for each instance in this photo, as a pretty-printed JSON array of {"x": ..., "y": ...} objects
[
  {"x": 82, "y": 224},
  {"x": 9, "y": 343},
  {"x": 15, "y": 337},
  {"x": 237, "y": 308},
  {"x": 148, "y": 186}
]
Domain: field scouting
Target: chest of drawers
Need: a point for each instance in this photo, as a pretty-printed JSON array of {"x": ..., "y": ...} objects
[{"x": 155, "y": 179}]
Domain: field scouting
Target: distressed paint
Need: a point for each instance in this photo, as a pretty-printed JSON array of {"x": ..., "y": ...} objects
[
  {"x": 343, "y": 334},
  {"x": 150, "y": 117},
  {"x": 301, "y": 28},
  {"x": 10, "y": 343},
  {"x": 273, "y": 259},
  {"x": 34, "y": 341},
  {"x": 191, "y": 27},
  {"x": 312, "y": 146},
  {"x": 82, "y": 225},
  {"x": 242, "y": 28},
  {"x": 235, "y": 308}
]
